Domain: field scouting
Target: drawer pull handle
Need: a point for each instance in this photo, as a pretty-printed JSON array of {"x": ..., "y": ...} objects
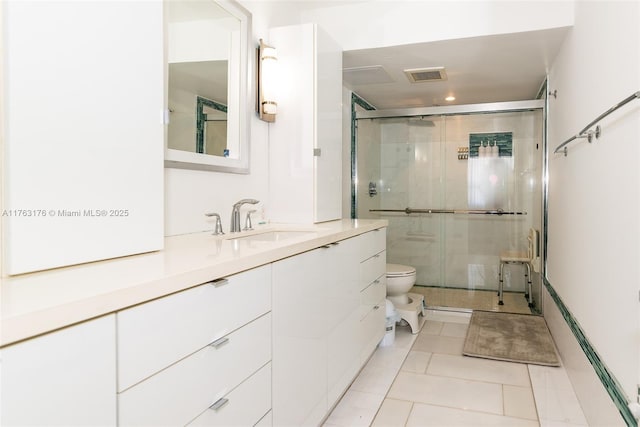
[
  {"x": 376, "y": 307},
  {"x": 376, "y": 256},
  {"x": 376, "y": 281},
  {"x": 219, "y": 342},
  {"x": 325, "y": 246},
  {"x": 219, "y": 404},
  {"x": 335, "y": 243},
  {"x": 220, "y": 282}
]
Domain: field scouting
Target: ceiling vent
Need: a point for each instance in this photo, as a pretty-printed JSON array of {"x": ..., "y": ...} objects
[{"x": 421, "y": 75}]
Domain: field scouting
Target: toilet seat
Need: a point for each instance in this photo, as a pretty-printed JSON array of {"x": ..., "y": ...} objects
[{"x": 398, "y": 270}]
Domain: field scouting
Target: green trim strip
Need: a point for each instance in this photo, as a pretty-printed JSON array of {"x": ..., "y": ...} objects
[
  {"x": 201, "y": 118},
  {"x": 605, "y": 376},
  {"x": 355, "y": 99}
]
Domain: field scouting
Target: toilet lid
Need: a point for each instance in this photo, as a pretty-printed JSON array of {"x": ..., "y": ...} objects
[{"x": 395, "y": 270}]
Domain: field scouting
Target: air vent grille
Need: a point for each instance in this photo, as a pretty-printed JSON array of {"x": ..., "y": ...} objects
[{"x": 420, "y": 75}]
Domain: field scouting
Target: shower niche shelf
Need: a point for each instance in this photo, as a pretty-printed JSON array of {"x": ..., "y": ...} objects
[{"x": 503, "y": 140}]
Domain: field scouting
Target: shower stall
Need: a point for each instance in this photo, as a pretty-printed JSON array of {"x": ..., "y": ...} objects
[{"x": 459, "y": 185}]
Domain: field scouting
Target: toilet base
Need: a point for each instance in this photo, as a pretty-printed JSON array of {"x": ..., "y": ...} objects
[{"x": 410, "y": 311}]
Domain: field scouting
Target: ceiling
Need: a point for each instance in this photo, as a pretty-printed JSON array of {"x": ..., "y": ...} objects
[
  {"x": 496, "y": 68},
  {"x": 202, "y": 77}
]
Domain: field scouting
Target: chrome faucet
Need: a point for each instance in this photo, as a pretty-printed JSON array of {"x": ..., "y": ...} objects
[
  {"x": 218, "y": 229},
  {"x": 235, "y": 213}
]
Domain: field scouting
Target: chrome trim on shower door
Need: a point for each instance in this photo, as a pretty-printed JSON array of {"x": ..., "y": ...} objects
[{"x": 493, "y": 107}]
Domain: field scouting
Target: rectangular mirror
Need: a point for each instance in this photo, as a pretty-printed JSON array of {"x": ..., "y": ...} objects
[{"x": 207, "y": 51}]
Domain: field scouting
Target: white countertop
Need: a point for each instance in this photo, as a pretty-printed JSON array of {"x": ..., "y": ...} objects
[{"x": 36, "y": 303}]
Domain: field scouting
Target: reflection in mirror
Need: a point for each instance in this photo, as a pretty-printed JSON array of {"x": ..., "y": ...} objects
[
  {"x": 187, "y": 82},
  {"x": 211, "y": 129},
  {"x": 207, "y": 47}
]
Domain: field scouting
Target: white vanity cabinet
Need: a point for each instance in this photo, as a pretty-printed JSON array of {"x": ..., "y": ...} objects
[
  {"x": 200, "y": 355},
  {"x": 65, "y": 378},
  {"x": 321, "y": 332},
  {"x": 305, "y": 153},
  {"x": 83, "y": 140}
]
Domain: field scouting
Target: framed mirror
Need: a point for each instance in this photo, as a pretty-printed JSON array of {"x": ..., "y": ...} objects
[{"x": 209, "y": 109}]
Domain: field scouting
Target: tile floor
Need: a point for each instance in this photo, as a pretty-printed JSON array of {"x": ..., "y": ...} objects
[
  {"x": 514, "y": 302},
  {"x": 423, "y": 380}
]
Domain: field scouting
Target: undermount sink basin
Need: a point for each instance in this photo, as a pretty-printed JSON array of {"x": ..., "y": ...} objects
[{"x": 274, "y": 236}]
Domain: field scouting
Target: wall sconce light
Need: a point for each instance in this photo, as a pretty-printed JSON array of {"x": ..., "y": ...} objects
[{"x": 266, "y": 105}]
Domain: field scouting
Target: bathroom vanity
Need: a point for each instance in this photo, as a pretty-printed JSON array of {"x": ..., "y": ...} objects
[{"x": 263, "y": 327}]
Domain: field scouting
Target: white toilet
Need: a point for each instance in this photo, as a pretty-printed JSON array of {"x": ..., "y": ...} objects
[{"x": 400, "y": 279}]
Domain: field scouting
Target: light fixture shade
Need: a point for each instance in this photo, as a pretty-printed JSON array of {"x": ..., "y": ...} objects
[{"x": 266, "y": 105}]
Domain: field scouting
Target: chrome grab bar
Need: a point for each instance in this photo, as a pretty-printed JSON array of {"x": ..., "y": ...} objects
[
  {"x": 589, "y": 134},
  {"x": 408, "y": 211}
]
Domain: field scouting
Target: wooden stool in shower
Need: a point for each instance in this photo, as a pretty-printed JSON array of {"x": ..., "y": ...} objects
[{"x": 524, "y": 258}]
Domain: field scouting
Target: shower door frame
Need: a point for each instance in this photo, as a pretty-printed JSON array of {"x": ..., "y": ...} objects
[
  {"x": 453, "y": 110},
  {"x": 449, "y": 110}
]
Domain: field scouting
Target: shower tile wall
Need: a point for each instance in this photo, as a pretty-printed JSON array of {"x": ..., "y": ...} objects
[{"x": 419, "y": 168}]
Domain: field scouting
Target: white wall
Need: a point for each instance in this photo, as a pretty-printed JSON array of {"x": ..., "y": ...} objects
[{"x": 594, "y": 197}]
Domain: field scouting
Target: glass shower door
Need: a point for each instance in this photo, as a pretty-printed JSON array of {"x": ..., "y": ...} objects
[
  {"x": 416, "y": 163},
  {"x": 402, "y": 158},
  {"x": 503, "y": 178}
]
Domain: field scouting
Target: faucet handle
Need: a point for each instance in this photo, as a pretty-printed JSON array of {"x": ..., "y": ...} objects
[
  {"x": 218, "y": 229},
  {"x": 247, "y": 222}
]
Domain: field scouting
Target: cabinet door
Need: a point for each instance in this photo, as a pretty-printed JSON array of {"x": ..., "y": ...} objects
[
  {"x": 306, "y": 153},
  {"x": 300, "y": 339},
  {"x": 343, "y": 292},
  {"x": 291, "y": 196},
  {"x": 83, "y": 134},
  {"x": 328, "y": 160},
  {"x": 65, "y": 378}
]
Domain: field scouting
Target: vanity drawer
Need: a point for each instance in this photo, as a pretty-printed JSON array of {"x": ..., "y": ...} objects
[
  {"x": 157, "y": 334},
  {"x": 373, "y": 296},
  {"x": 374, "y": 242},
  {"x": 372, "y": 268},
  {"x": 246, "y": 405},
  {"x": 180, "y": 393}
]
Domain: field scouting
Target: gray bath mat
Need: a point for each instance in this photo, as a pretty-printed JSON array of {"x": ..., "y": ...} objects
[{"x": 511, "y": 337}]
